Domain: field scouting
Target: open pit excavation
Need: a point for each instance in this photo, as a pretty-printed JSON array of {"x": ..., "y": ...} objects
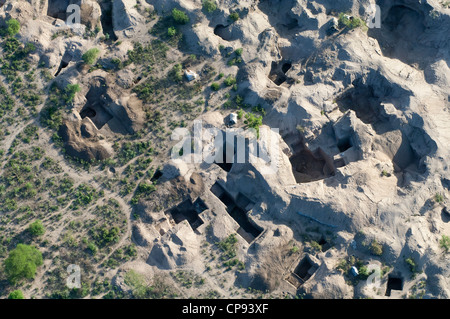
[{"x": 260, "y": 149}]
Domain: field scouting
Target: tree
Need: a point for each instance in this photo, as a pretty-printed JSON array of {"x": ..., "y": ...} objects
[
  {"x": 179, "y": 16},
  {"x": 90, "y": 56},
  {"x": 16, "y": 294},
  {"x": 22, "y": 263},
  {"x": 12, "y": 27},
  {"x": 36, "y": 228}
]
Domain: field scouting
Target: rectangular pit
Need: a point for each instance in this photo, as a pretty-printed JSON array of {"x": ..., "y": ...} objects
[
  {"x": 247, "y": 230},
  {"x": 394, "y": 283},
  {"x": 188, "y": 211},
  {"x": 304, "y": 270}
]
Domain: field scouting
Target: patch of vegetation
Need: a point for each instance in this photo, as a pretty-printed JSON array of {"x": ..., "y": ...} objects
[
  {"x": 188, "y": 279},
  {"x": 418, "y": 290},
  {"x": 376, "y": 248},
  {"x": 412, "y": 265},
  {"x": 105, "y": 236},
  {"x": 346, "y": 264},
  {"x": 176, "y": 74},
  {"x": 253, "y": 121},
  {"x": 228, "y": 246},
  {"x": 159, "y": 289},
  {"x": 85, "y": 195}
]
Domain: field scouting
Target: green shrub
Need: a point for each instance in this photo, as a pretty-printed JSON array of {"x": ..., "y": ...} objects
[
  {"x": 438, "y": 198},
  {"x": 209, "y": 5},
  {"x": 239, "y": 51},
  {"x": 215, "y": 86},
  {"x": 92, "y": 248},
  {"x": 351, "y": 22},
  {"x": 234, "y": 16},
  {"x": 444, "y": 243},
  {"x": 171, "y": 31},
  {"x": 363, "y": 272},
  {"x": 179, "y": 16},
  {"x": 22, "y": 263},
  {"x": 12, "y": 27},
  {"x": 412, "y": 264},
  {"x": 230, "y": 80},
  {"x": 16, "y": 294},
  {"x": 90, "y": 56},
  {"x": 176, "y": 73},
  {"x": 36, "y": 228}
]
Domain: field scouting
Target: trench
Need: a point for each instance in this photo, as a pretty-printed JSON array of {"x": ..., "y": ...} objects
[
  {"x": 67, "y": 57},
  {"x": 398, "y": 36},
  {"x": 278, "y": 71},
  {"x": 96, "y": 105},
  {"x": 237, "y": 209},
  {"x": 366, "y": 104},
  {"x": 106, "y": 19},
  {"x": 308, "y": 166},
  {"x": 189, "y": 211}
]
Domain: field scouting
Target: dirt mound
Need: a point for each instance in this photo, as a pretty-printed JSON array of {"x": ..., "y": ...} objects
[{"x": 81, "y": 141}]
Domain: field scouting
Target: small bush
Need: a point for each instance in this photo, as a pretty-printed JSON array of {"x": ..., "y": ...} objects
[
  {"x": 444, "y": 243},
  {"x": 234, "y": 16},
  {"x": 36, "y": 229},
  {"x": 215, "y": 86},
  {"x": 230, "y": 80},
  {"x": 171, "y": 31},
  {"x": 239, "y": 51},
  {"x": 179, "y": 16},
  {"x": 438, "y": 198},
  {"x": 12, "y": 27},
  {"x": 350, "y": 22},
  {"x": 90, "y": 56},
  {"x": 376, "y": 248},
  {"x": 209, "y": 5}
]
